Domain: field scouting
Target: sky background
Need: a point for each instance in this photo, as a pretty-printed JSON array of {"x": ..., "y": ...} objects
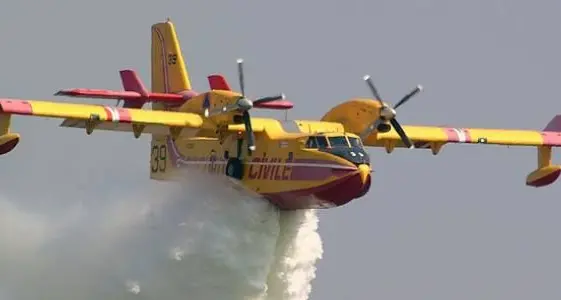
[{"x": 460, "y": 225}]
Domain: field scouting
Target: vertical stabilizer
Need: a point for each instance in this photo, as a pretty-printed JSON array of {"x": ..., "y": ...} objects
[
  {"x": 169, "y": 72},
  {"x": 169, "y": 75}
]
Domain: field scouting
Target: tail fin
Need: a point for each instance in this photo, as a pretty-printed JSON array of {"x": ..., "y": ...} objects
[
  {"x": 131, "y": 82},
  {"x": 169, "y": 73}
]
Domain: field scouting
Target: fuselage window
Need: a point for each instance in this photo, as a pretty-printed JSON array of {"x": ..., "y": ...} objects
[{"x": 338, "y": 141}]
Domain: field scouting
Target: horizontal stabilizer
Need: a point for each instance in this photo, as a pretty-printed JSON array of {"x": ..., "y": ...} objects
[
  {"x": 279, "y": 104},
  {"x": 121, "y": 95},
  {"x": 219, "y": 82}
]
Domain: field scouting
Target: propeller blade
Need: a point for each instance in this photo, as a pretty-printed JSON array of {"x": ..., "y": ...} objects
[
  {"x": 401, "y": 133},
  {"x": 373, "y": 88},
  {"x": 249, "y": 131},
  {"x": 406, "y": 98},
  {"x": 269, "y": 99},
  {"x": 240, "y": 76},
  {"x": 370, "y": 129}
]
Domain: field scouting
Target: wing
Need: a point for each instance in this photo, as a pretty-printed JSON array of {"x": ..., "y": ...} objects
[
  {"x": 92, "y": 117},
  {"x": 435, "y": 137}
]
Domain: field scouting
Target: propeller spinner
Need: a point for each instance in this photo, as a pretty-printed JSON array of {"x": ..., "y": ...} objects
[
  {"x": 387, "y": 114},
  {"x": 243, "y": 105}
]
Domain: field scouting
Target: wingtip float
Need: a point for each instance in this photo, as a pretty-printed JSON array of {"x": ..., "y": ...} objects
[
  {"x": 295, "y": 164},
  {"x": 547, "y": 173}
]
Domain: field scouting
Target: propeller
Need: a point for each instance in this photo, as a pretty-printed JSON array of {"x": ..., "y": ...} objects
[
  {"x": 244, "y": 104},
  {"x": 387, "y": 114}
]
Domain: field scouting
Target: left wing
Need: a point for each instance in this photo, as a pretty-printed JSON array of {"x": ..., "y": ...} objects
[{"x": 91, "y": 116}]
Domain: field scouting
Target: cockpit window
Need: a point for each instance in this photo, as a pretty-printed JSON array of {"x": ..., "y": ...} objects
[
  {"x": 338, "y": 141},
  {"x": 312, "y": 142},
  {"x": 355, "y": 142},
  {"x": 322, "y": 142},
  {"x": 315, "y": 142}
]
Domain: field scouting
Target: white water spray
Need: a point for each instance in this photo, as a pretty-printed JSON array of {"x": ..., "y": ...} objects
[
  {"x": 298, "y": 249},
  {"x": 199, "y": 241}
]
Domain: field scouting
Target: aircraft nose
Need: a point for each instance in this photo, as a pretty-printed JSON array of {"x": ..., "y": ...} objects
[{"x": 364, "y": 172}]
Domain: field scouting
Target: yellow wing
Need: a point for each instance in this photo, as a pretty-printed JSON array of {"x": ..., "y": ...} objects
[
  {"x": 434, "y": 138},
  {"x": 93, "y": 117}
]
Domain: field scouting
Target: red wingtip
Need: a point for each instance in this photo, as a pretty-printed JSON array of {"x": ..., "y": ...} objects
[{"x": 218, "y": 82}]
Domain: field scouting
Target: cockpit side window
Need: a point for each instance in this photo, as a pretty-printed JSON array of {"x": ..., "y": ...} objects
[
  {"x": 312, "y": 143},
  {"x": 322, "y": 141},
  {"x": 315, "y": 142},
  {"x": 338, "y": 141},
  {"x": 355, "y": 142}
]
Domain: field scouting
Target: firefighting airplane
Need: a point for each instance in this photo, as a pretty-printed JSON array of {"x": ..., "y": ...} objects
[{"x": 293, "y": 164}]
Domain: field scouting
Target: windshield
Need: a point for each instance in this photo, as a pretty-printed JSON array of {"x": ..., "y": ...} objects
[
  {"x": 355, "y": 142},
  {"x": 338, "y": 141}
]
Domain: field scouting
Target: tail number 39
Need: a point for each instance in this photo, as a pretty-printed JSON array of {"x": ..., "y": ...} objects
[{"x": 159, "y": 158}]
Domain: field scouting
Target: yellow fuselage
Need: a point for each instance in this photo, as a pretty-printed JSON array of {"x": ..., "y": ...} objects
[{"x": 284, "y": 168}]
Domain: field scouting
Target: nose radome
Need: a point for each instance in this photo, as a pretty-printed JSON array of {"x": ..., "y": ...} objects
[{"x": 364, "y": 172}]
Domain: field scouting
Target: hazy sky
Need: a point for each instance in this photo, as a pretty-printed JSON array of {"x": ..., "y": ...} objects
[{"x": 461, "y": 225}]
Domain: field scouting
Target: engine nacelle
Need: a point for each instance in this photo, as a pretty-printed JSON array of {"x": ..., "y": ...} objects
[{"x": 543, "y": 176}]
